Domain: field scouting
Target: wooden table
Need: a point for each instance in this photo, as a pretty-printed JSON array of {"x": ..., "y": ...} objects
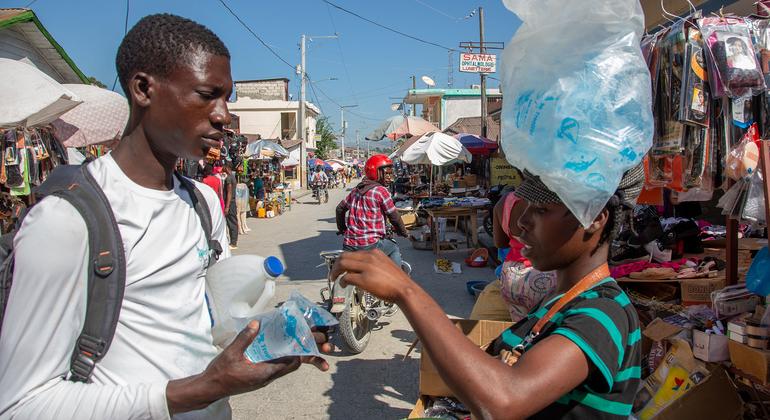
[{"x": 469, "y": 212}]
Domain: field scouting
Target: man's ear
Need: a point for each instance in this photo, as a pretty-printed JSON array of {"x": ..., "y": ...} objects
[
  {"x": 598, "y": 224},
  {"x": 140, "y": 89}
]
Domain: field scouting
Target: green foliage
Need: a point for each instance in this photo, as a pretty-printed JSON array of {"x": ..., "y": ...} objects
[
  {"x": 94, "y": 81},
  {"x": 327, "y": 141}
]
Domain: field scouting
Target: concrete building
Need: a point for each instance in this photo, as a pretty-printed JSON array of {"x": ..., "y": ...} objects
[
  {"x": 443, "y": 107},
  {"x": 23, "y": 37},
  {"x": 264, "y": 107}
]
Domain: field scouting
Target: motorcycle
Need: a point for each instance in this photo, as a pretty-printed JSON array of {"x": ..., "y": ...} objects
[
  {"x": 320, "y": 192},
  {"x": 357, "y": 310}
]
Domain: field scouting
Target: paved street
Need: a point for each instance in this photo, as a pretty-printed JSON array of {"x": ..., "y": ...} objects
[{"x": 378, "y": 383}]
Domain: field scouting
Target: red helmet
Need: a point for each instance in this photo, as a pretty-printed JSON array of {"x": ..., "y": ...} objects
[{"x": 374, "y": 164}]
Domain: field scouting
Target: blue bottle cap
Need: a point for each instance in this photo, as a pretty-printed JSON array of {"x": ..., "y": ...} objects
[{"x": 273, "y": 266}]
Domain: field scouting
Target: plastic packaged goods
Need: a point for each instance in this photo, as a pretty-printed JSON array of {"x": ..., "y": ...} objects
[
  {"x": 695, "y": 97},
  {"x": 239, "y": 288},
  {"x": 282, "y": 332},
  {"x": 579, "y": 115},
  {"x": 760, "y": 29},
  {"x": 670, "y": 131},
  {"x": 731, "y": 56},
  {"x": 758, "y": 276},
  {"x": 313, "y": 314},
  {"x": 744, "y": 157},
  {"x": 286, "y": 331}
]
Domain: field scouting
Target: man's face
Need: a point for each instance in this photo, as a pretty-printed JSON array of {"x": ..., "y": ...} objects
[
  {"x": 387, "y": 175},
  {"x": 188, "y": 111}
]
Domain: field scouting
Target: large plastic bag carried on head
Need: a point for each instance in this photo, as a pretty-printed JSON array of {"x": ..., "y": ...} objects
[{"x": 578, "y": 101}]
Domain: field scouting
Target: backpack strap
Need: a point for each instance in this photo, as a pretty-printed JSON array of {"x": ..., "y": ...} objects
[
  {"x": 107, "y": 265},
  {"x": 204, "y": 214}
]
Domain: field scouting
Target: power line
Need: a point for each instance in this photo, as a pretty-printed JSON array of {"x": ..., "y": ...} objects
[
  {"x": 255, "y": 34},
  {"x": 441, "y": 12},
  {"x": 340, "y": 106},
  {"x": 318, "y": 101},
  {"x": 125, "y": 31},
  {"x": 386, "y": 27},
  {"x": 342, "y": 55}
]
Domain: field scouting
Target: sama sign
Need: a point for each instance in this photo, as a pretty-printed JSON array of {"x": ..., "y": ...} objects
[{"x": 478, "y": 63}]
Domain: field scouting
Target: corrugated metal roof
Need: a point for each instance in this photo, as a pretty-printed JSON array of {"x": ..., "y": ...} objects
[
  {"x": 9, "y": 13},
  {"x": 472, "y": 125},
  {"x": 36, "y": 35}
]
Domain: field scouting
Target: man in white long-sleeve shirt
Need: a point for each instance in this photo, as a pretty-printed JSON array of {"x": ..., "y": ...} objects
[{"x": 161, "y": 363}]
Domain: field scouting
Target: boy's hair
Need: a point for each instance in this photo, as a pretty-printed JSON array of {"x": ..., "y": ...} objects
[{"x": 159, "y": 43}]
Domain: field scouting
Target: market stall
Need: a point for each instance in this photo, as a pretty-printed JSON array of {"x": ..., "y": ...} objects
[
  {"x": 693, "y": 259},
  {"x": 41, "y": 122}
]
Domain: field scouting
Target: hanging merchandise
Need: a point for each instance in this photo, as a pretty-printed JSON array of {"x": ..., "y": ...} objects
[
  {"x": 733, "y": 65},
  {"x": 760, "y": 28},
  {"x": 581, "y": 115},
  {"x": 670, "y": 130},
  {"x": 694, "y": 102},
  {"x": 651, "y": 54},
  {"x": 744, "y": 157},
  {"x": 696, "y": 156},
  {"x": 754, "y": 202}
]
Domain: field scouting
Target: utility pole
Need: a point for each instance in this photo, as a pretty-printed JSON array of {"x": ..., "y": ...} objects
[
  {"x": 483, "y": 76},
  {"x": 358, "y": 146},
  {"x": 301, "y": 122},
  {"x": 342, "y": 124},
  {"x": 414, "y": 86},
  {"x": 302, "y": 131}
]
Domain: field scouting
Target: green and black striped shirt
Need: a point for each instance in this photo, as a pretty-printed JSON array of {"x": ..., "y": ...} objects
[{"x": 604, "y": 324}]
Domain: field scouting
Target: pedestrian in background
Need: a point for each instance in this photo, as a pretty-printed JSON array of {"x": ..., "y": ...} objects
[{"x": 231, "y": 208}]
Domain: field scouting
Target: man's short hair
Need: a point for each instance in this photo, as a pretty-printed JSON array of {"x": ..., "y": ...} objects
[{"x": 159, "y": 43}]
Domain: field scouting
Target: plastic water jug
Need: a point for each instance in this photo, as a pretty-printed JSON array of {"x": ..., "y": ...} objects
[{"x": 238, "y": 289}]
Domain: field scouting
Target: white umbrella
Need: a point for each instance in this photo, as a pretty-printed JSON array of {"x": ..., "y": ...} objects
[
  {"x": 436, "y": 148},
  {"x": 266, "y": 148},
  {"x": 101, "y": 117},
  {"x": 29, "y": 97}
]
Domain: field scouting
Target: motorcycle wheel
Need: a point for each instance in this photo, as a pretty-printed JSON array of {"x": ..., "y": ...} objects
[
  {"x": 326, "y": 196},
  {"x": 355, "y": 327},
  {"x": 318, "y": 196}
]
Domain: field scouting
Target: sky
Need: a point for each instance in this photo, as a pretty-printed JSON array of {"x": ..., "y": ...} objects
[{"x": 372, "y": 65}]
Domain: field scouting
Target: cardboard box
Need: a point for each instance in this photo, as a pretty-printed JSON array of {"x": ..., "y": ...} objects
[
  {"x": 698, "y": 291},
  {"x": 418, "y": 411},
  {"x": 480, "y": 332},
  {"x": 710, "y": 347},
  {"x": 714, "y": 398},
  {"x": 409, "y": 219},
  {"x": 751, "y": 361},
  {"x": 471, "y": 180}
]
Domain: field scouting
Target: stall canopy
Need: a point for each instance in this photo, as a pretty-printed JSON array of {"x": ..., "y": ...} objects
[
  {"x": 29, "y": 97},
  {"x": 266, "y": 148},
  {"x": 435, "y": 148},
  {"x": 401, "y": 126},
  {"x": 477, "y": 145},
  {"x": 312, "y": 163},
  {"x": 99, "y": 119}
]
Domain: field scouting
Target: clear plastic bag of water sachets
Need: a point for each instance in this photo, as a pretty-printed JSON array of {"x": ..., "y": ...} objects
[
  {"x": 286, "y": 331},
  {"x": 578, "y": 100}
]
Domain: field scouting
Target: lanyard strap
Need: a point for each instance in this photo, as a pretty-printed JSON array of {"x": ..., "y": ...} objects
[{"x": 587, "y": 282}]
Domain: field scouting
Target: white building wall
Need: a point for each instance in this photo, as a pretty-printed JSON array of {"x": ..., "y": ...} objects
[{"x": 459, "y": 107}]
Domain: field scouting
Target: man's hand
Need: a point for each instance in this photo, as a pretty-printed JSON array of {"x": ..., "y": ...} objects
[
  {"x": 231, "y": 373},
  {"x": 374, "y": 272}
]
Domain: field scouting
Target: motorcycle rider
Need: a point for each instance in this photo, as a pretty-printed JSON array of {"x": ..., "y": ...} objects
[
  {"x": 319, "y": 179},
  {"x": 367, "y": 206}
]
